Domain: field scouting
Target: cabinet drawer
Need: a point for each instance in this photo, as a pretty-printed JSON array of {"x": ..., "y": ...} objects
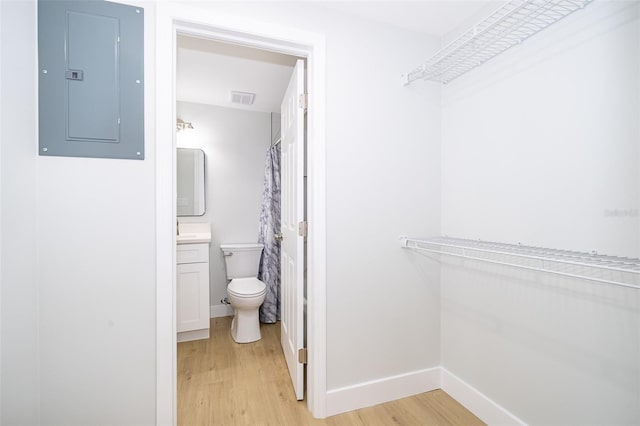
[{"x": 192, "y": 253}]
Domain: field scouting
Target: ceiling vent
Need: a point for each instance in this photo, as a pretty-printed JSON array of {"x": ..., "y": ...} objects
[{"x": 242, "y": 98}]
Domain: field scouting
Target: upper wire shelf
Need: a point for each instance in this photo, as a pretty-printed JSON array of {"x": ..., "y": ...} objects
[
  {"x": 508, "y": 26},
  {"x": 620, "y": 271}
]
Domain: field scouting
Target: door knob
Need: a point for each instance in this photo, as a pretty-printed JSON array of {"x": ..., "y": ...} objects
[{"x": 278, "y": 236}]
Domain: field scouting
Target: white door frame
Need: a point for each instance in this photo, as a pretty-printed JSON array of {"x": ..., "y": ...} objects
[{"x": 171, "y": 19}]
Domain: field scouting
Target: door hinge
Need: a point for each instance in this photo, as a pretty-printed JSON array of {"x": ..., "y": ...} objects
[
  {"x": 302, "y": 356},
  {"x": 303, "y": 228},
  {"x": 303, "y": 101}
]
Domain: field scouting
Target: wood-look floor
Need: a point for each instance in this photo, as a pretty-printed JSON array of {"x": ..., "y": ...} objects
[{"x": 224, "y": 383}]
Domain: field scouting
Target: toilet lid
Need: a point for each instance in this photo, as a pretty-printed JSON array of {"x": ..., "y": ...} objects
[{"x": 246, "y": 286}]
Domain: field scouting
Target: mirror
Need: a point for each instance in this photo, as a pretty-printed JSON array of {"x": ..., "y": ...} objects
[{"x": 190, "y": 184}]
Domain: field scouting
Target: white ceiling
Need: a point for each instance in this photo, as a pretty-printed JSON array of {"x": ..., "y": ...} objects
[
  {"x": 433, "y": 17},
  {"x": 207, "y": 71}
]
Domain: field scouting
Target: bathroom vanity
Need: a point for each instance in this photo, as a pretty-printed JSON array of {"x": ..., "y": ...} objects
[{"x": 192, "y": 281}]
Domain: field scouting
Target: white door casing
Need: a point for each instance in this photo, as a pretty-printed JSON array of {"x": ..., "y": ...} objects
[
  {"x": 173, "y": 18},
  {"x": 292, "y": 214}
]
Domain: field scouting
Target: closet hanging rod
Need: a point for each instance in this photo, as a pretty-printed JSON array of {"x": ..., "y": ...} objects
[
  {"x": 618, "y": 264},
  {"x": 626, "y": 268},
  {"x": 560, "y": 256},
  {"x": 509, "y": 25}
]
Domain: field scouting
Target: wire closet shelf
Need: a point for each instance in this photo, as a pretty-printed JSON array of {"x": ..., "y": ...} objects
[
  {"x": 619, "y": 271},
  {"x": 508, "y": 26}
]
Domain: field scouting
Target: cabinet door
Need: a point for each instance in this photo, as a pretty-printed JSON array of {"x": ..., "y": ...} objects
[{"x": 192, "y": 293}]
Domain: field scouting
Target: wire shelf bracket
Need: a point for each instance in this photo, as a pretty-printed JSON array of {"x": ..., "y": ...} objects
[
  {"x": 509, "y": 25},
  {"x": 618, "y": 271}
]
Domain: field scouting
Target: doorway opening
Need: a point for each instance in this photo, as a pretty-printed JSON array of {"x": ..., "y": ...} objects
[
  {"x": 234, "y": 105},
  {"x": 210, "y": 25}
]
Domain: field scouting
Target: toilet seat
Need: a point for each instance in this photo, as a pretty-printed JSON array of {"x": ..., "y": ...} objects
[{"x": 246, "y": 287}]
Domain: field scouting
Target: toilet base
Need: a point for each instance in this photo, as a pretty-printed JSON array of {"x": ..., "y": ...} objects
[{"x": 245, "y": 326}]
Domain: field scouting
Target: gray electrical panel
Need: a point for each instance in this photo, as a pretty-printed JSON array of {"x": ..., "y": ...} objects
[{"x": 91, "y": 79}]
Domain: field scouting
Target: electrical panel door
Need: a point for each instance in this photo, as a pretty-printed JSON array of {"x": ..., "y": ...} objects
[{"x": 91, "y": 75}]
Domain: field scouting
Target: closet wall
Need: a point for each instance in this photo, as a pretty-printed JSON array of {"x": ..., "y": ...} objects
[
  {"x": 541, "y": 146},
  {"x": 235, "y": 143}
]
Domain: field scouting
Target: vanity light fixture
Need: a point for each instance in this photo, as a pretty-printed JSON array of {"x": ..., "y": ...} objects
[{"x": 183, "y": 125}]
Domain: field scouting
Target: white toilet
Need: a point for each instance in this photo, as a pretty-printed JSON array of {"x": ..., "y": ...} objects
[{"x": 245, "y": 291}]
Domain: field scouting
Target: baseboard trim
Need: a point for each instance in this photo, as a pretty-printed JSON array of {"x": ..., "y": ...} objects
[
  {"x": 186, "y": 336},
  {"x": 216, "y": 311},
  {"x": 475, "y": 401},
  {"x": 382, "y": 390}
]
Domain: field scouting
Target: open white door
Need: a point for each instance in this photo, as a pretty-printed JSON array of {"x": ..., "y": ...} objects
[{"x": 292, "y": 225}]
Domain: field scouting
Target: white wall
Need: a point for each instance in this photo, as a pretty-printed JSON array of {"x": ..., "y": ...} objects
[
  {"x": 538, "y": 145},
  {"x": 383, "y": 181},
  {"x": 550, "y": 350},
  {"x": 235, "y": 143},
  {"x": 96, "y": 260},
  {"x": 97, "y": 293},
  {"x": 19, "y": 383},
  {"x": 78, "y": 261}
]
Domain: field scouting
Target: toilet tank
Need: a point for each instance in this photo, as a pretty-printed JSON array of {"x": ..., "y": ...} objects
[{"x": 242, "y": 260}]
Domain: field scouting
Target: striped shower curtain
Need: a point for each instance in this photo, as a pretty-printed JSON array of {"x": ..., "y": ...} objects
[{"x": 269, "y": 272}]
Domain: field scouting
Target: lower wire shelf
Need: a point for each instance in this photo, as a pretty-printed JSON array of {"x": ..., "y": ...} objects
[{"x": 613, "y": 270}]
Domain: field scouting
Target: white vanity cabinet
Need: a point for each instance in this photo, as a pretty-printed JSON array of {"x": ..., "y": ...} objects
[{"x": 192, "y": 292}]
